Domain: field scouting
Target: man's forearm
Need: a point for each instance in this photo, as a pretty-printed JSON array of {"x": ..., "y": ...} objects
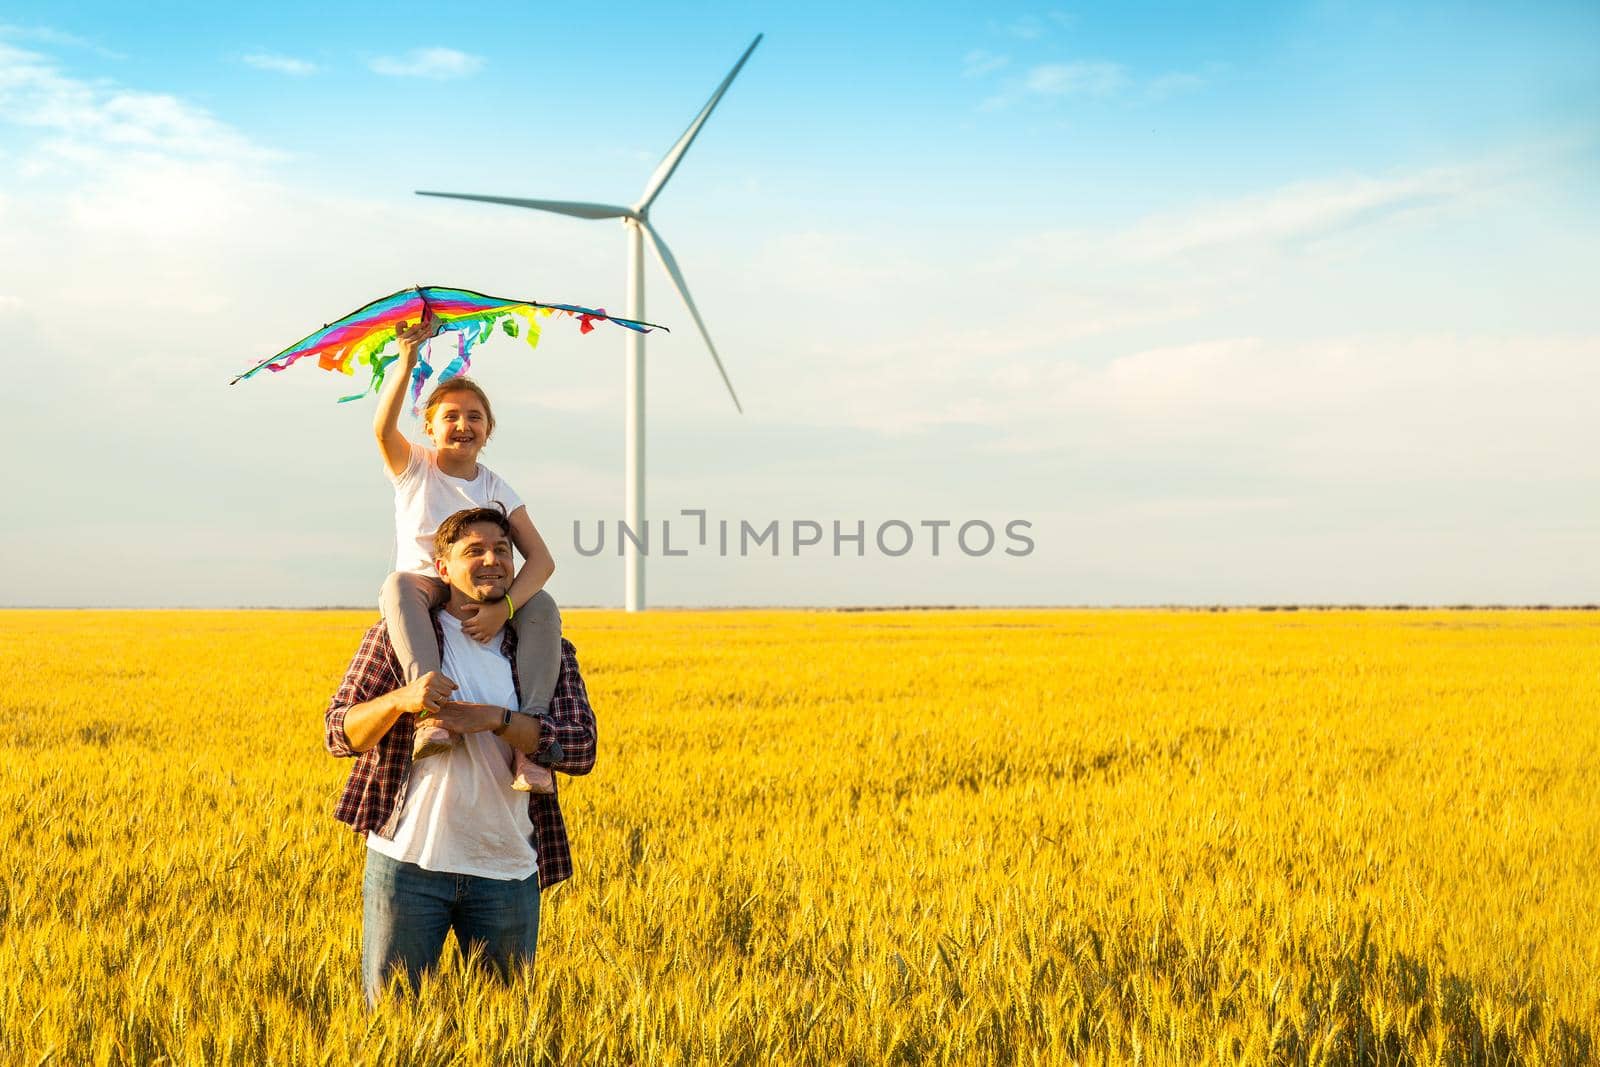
[
  {"x": 367, "y": 722},
  {"x": 522, "y": 733}
]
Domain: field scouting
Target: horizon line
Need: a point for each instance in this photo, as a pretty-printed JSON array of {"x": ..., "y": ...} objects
[{"x": 1262, "y": 606}]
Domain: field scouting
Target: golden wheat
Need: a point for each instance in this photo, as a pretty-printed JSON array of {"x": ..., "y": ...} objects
[{"x": 966, "y": 837}]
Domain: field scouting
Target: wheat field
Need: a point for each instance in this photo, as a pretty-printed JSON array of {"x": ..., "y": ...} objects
[{"x": 856, "y": 838}]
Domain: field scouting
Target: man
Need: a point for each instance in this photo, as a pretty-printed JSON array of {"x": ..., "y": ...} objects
[{"x": 450, "y": 845}]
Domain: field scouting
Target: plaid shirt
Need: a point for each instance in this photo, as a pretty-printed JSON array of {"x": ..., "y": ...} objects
[{"x": 374, "y": 794}]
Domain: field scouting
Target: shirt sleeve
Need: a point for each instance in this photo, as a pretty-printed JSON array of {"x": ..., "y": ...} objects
[
  {"x": 570, "y": 721},
  {"x": 413, "y": 472},
  {"x": 500, "y": 492},
  {"x": 371, "y": 674}
]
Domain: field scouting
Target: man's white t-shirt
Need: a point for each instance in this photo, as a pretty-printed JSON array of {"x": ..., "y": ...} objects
[
  {"x": 461, "y": 815},
  {"x": 425, "y": 496}
]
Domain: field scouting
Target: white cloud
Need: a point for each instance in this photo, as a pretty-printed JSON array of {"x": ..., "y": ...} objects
[
  {"x": 1089, "y": 351},
  {"x": 35, "y": 93},
  {"x": 1026, "y": 28},
  {"x": 979, "y": 62},
  {"x": 440, "y": 64},
  {"x": 1034, "y": 27},
  {"x": 1298, "y": 213},
  {"x": 1076, "y": 79},
  {"x": 47, "y": 35},
  {"x": 1093, "y": 79},
  {"x": 1390, "y": 408},
  {"x": 1387, "y": 409},
  {"x": 1309, "y": 221},
  {"x": 1303, "y": 298},
  {"x": 298, "y": 68},
  {"x": 1087, "y": 79}
]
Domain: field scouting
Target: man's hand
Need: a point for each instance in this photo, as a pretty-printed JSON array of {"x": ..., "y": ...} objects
[
  {"x": 483, "y": 621},
  {"x": 464, "y": 718},
  {"x": 367, "y": 723},
  {"x": 426, "y": 695}
]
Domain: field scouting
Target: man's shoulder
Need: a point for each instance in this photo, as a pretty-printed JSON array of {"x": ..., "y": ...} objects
[{"x": 373, "y": 669}]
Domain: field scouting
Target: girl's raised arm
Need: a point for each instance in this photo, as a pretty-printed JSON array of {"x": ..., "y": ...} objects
[{"x": 392, "y": 444}]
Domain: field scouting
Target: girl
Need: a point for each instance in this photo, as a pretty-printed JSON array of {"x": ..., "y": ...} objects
[{"x": 429, "y": 486}]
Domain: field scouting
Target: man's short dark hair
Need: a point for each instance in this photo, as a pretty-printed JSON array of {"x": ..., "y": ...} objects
[{"x": 451, "y": 529}]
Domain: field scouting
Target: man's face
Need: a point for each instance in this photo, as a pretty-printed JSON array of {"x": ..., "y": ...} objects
[{"x": 478, "y": 565}]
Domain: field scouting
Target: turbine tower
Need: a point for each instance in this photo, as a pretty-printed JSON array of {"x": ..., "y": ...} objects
[{"x": 636, "y": 219}]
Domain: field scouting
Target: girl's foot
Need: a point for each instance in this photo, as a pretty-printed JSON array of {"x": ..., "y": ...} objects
[
  {"x": 430, "y": 741},
  {"x": 530, "y": 777}
]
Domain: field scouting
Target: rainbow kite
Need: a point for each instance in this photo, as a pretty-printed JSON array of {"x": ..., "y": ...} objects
[{"x": 366, "y": 337}]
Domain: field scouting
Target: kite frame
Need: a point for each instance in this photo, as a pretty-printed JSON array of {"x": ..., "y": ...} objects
[{"x": 445, "y": 324}]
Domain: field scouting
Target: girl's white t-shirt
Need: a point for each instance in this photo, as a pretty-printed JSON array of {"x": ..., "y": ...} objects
[
  {"x": 461, "y": 815},
  {"x": 425, "y": 496}
]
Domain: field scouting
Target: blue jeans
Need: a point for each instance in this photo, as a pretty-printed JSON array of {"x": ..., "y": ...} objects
[{"x": 407, "y": 911}]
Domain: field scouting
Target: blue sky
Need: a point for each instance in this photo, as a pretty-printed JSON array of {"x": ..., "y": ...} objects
[
  {"x": 1234, "y": 95},
  {"x": 1234, "y": 302}
]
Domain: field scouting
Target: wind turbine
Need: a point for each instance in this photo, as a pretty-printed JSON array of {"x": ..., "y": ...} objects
[{"x": 637, "y": 221}]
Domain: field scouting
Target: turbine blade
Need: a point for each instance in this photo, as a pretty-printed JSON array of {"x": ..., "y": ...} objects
[
  {"x": 663, "y": 254},
  {"x": 575, "y": 208},
  {"x": 669, "y": 164}
]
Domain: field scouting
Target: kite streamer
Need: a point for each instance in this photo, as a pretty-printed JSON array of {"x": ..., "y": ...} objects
[{"x": 366, "y": 337}]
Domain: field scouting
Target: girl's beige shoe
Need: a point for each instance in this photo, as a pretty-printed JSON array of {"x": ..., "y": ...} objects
[
  {"x": 531, "y": 777},
  {"x": 430, "y": 741}
]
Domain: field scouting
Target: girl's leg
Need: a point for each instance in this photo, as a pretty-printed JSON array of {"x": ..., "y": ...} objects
[
  {"x": 538, "y": 625},
  {"x": 407, "y": 603}
]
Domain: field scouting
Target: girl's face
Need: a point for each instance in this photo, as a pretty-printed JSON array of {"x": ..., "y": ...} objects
[{"x": 458, "y": 426}]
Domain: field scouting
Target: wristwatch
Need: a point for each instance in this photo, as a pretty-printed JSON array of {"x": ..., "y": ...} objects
[{"x": 504, "y": 722}]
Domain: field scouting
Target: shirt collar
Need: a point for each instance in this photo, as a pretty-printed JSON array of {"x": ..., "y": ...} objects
[{"x": 508, "y": 635}]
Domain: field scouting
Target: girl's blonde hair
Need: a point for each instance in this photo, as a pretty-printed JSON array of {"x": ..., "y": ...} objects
[{"x": 460, "y": 384}]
